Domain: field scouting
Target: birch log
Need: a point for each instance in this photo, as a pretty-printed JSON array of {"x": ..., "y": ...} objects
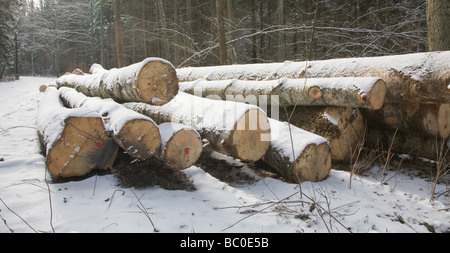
[
  {"x": 135, "y": 133},
  {"x": 342, "y": 127},
  {"x": 74, "y": 140},
  {"x": 298, "y": 155},
  {"x": 355, "y": 92},
  {"x": 181, "y": 145},
  {"x": 236, "y": 129},
  {"x": 152, "y": 81},
  {"x": 425, "y": 119},
  {"x": 420, "y": 77}
]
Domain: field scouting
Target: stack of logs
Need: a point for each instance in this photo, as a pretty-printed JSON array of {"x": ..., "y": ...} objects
[
  {"x": 146, "y": 110},
  {"x": 399, "y": 103}
]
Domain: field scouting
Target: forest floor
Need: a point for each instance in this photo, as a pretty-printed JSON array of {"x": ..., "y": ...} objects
[{"x": 217, "y": 194}]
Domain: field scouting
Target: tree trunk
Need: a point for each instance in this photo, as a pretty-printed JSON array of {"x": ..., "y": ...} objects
[
  {"x": 342, "y": 127},
  {"x": 410, "y": 78},
  {"x": 181, "y": 145},
  {"x": 358, "y": 92},
  {"x": 438, "y": 16},
  {"x": 118, "y": 32},
  {"x": 137, "y": 134},
  {"x": 152, "y": 81},
  {"x": 426, "y": 119},
  {"x": 236, "y": 129},
  {"x": 296, "y": 154},
  {"x": 74, "y": 140},
  {"x": 281, "y": 38},
  {"x": 221, "y": 32}
]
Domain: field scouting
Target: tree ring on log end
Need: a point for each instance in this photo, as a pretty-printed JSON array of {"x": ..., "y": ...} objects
[
  {"x": 157, "y": 82},
  {"x": 377, "y": 95},
  {"x": 183, "y": 149},
  {"x": 140, "y": 138},
  {"x": 250, "y": 138},
  {"x": 79, "y": 149},
  {"x": 314, "y": 93},
  {"x": 314, "y": 164}
]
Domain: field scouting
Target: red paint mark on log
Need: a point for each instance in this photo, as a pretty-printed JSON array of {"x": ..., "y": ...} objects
[
  {"x": 186, "y": 151},
  {"x": 99, "y": 144}
]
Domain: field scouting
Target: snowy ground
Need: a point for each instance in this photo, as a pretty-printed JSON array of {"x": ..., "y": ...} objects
[{"x": 99, "y": 204}]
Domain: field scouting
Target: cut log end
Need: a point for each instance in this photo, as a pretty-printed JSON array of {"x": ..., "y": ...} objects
[
  {"x": 313, "y": 165},
  {"x": 376, "y": 96},
  {"x": 443, "y": 120},
  {"x": 140, "y": 138},
  {"x": 78, "y": 151},
  {"x": 314, "y": 93},
  {"x": 250, "y": 138},
  {"x": 157, "y": 82},
  {"x": 183, "y": 149}
]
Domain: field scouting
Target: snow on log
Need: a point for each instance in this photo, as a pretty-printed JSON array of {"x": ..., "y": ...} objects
[
  {"x": 419, "y": 77},
  {"x": 425, "y": 119},
  {"x": 355, "y": 92},
  {"x": 236, "y": 129},
  {"x": 342, "y": 127},
  {"x": 181, "y": 145},
  {"x": 152, "y": 81},
  {"x": 135, "y": 133},
  {"x": 74, "y": 140},
  {"x": 298, "y": 155}
]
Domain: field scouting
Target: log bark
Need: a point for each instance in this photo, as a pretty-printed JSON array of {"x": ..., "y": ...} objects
[
  {"x": 425, "y": 119},
  {"x": 401, "y": 142},
  {"x": 355, "y": 92},
  {"x": 298, "y": 155},
  {"x": 236, "y": 129},
  {"x": 420, "y": 77},
  {"x": 137, "y": 134},
  {"x": 181, "y": 146},
  {"x": 152, "y": 81},
  {"x": 74, "y": 140},
  {"x": 342, "y": 127}
]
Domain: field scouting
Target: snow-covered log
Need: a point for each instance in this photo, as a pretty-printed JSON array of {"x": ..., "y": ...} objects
[
  {"x": 74, "y": 140},
  {"x": 298, "y": 155},
  {"x": 425, "y": 119},
  {"x": 342, "y": 127},
  {"x": 356, "y": 92},
  {"x": 420, "y": 77},
  {"x": 152, "y": 81},
  {"x": 181, "y": 145},
  {"x": 236, "y": 129},
  {"x": 135, "y": 133}
]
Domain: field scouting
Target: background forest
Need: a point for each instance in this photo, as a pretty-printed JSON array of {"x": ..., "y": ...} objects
[{"x": 55, "y": 36}]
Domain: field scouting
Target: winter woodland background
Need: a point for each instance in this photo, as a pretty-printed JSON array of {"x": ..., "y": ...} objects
[{"x": 55, "y": 36}]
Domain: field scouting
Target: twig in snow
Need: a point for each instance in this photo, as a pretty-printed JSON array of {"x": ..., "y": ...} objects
[
  {"x": 265, "y": 208},
  {"x": 142, "y": 208},
  {"x": 18, "y": 216},
  {"x": 50, "y": 201}
]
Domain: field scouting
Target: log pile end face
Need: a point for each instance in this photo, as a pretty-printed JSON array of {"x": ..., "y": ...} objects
[
  {"x": 183, "y": 150},
  {"x": 375, "y": 99},
  {"x": 77, "y": 152},
  {"x": 157, "y": 82},
  {"x": 313, "y": 165},
  {"x": 250, "y": 137},
  {"x": 147, "y": 142}
]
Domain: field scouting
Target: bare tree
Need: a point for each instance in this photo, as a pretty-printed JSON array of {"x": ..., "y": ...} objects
[
  {"x": 438, "y": 21},
  {"x": 222, "y": 37},
  {"x": 118, "y": 31}
]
